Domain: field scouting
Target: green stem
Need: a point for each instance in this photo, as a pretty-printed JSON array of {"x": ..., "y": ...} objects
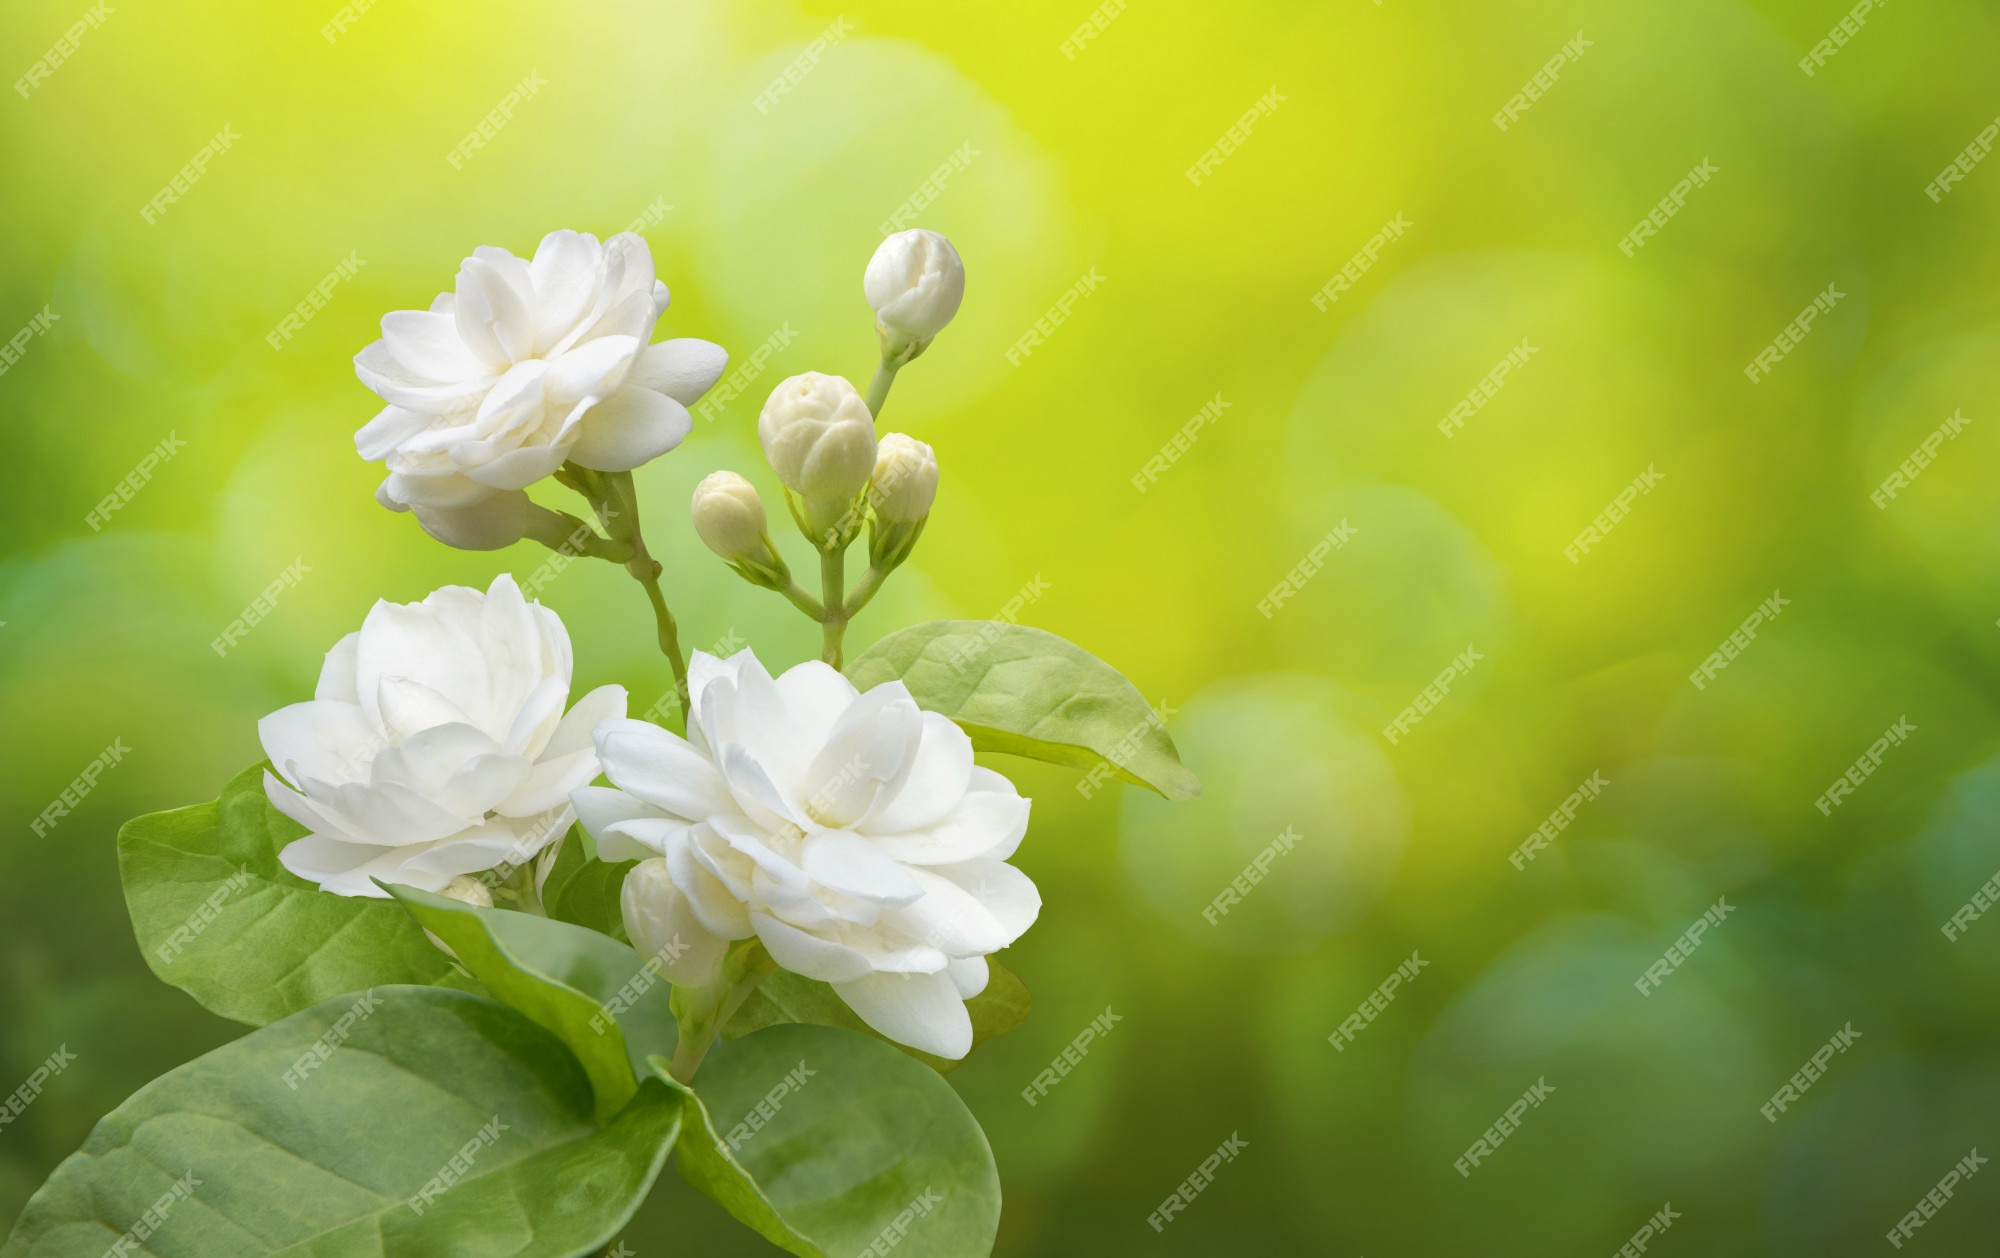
[
  {"x": 878, "y": 389},
  {"x": 703, "y": 1012},
  {"x": 833, "y": 583},
  {"x": 623, "y": 498},
  {"x": 804, "y": 601},
  {"x": 864, "y": 589}
]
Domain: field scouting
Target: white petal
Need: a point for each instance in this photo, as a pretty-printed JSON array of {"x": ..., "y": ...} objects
[
  {"x": 549, "y": 782},
  {"x": 592, "y": 371},
  {"x": 986, "y": 823},
  {"x": 336, "y": 676},
  {"x": 429, "y": 346},
  {"x": 575, "y": 731},
  {"x": 538, "y": 715},
  {"x": 660, "y": 768},
  {"x": 324, "y": 738},
  {"x": 391, "y": 427},
  {"x": 923, "y": 1011},
  {"x": 683, "y": 368},
  {"x": 599, "y": 808},
  {"x": 937, "y": 781},
  {"x": 969, "y": 975},
  {"x": 853, "y": 866},
  {"x": 630, "y": 427},
  {"x": 810, "y": 955},
  {"x": 493, "y": 523},
  {"x": 664, "y": 928},
  {"x": 565, "y": 274},
  {"x": 518, "y": 469},
  {"x": 492, "y": 316},
  {"x": 719, "y": 909}
]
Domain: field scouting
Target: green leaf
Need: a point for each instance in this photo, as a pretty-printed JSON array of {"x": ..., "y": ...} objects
[
  {"x": 1028, "y": 693},
  {"x": 217, "y": 916},
  {"x": 837, "y": 1140},
  {"x": 330, "y": 1168},
  {"x": 596, "y": 995},
  {"x": 582, "y": 889},
  {"x": 787, "y": 997}
]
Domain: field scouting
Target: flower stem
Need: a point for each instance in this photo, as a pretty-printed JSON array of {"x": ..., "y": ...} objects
[
  {"x": 833, "y": 583},
  {"x": 878, "y": 389},
  {"x": 702, "y": 1012},
  {"x": 623, "y": 497}
]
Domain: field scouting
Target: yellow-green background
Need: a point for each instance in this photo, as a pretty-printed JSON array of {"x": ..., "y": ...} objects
[{"x": 1332, "y": 417}]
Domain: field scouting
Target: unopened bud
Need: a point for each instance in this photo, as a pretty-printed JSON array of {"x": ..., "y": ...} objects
[
  {"x": 820, "y": 439},
  {"x": 914, "y": 283},
  {"x": 729, "y": 516},
  {"x": 906, "y": 479}
]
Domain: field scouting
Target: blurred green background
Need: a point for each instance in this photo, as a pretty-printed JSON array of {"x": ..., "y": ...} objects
[{"x": 1077, "y": 163}]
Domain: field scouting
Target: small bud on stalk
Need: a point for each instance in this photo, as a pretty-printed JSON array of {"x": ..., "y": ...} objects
[
  {"x": 730, "y": 518},
  {"x": 820, "y": 439},
  {"x": 914, "y": 284},
  {"x": 902, "y": 491}
]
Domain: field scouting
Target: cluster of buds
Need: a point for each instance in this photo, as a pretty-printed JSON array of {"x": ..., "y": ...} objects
[{"x": 818, "y": 434}]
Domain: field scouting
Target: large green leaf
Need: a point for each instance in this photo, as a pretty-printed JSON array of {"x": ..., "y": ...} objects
[
  {"x": 788, "y": 997},
  {"x": 828, "y": 1142},
  {"x": 598, "y": 996},
  {"x": 1029, "y": 693},
  {"x": 338, "y": 1165},
  {"x": 582, "y": 889},
  {"x": 217, "y": 916}
]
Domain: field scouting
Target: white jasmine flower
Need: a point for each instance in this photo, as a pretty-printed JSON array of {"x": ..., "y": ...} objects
[
  {"x": 527, "y": 364},
  {"x": 851, "y": 833},
  {"x": 436, "y": 744}
]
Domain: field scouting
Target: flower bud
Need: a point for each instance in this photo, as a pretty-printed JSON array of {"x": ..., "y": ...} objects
[
  {"x": 662, "y": 926},
  {"x": 820, "y": 439},
  {"x": 914, "y": 284},
  {"x": 906, "y": 478},
  {"x": 729, "y": 516}
]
